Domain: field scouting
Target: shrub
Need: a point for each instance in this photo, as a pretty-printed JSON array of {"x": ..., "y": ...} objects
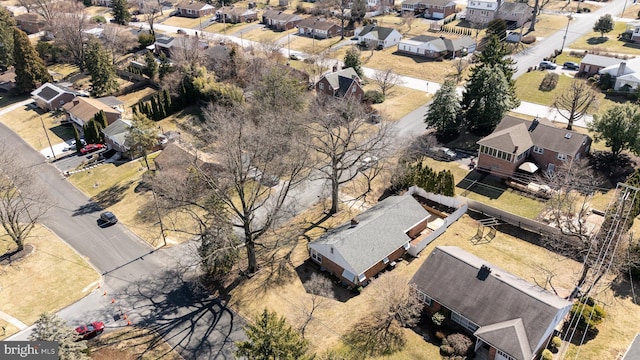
[
  {"x": 446, "y": 350},
  {"x": 460, "y": 343},
  {"x": 556, "y": 342},
  {"x": 373, "y": 97},
  {"x": 146, "y": 39},
  {"x": 549, "y": 82},
  {"x": 437, "y": 318},
  {"x": 590, "y": 314},
  {"x": 99, "y": 19},
  {"x": 547, "y": 355},
  {"x": 441, "y": 336},
  {"x": 529, "y": 39}
]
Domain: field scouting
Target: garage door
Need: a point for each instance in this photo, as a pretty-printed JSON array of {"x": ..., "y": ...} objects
[{"x": 437, "y": 15}]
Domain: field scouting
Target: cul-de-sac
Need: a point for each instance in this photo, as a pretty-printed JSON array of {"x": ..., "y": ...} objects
[{"x": 328, "y": 179}]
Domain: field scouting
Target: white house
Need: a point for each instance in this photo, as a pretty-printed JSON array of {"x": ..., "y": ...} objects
[
  {"x": 378, "y": 36},
  {"x": 626, "y": 73}
]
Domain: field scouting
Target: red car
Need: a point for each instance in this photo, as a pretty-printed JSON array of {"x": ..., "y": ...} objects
[
  {"x": 89, "y": 331},
  {"x": 91, "y": 148}
]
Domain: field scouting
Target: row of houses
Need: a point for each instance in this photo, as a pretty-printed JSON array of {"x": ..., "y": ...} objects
[{"x": 480, "y": 12}]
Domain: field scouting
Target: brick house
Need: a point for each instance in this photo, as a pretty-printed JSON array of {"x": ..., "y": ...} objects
[
  {"x": 51, "y": 97},
  {"x": 515, "y": 141},
  {"x": 434, "y": 47},
  {"x": 508, "y": 317},
  {"x": 515, "y": 14},
  {"x": 433, "y": 9},
  {"x": 194, "y": 9},
  {"x": 279, "y": 20},
  {"x": 356, "y": 251},
  {"x": 483, "y": 11},
  {"x": 31, "y": 23},
  {"x": 82, "y": 109},
  {"x": 591, "y": 64},
  {"x": 235, "y": 15},
  {"x": 344, "y": 83},
  {"x": 115, "y": 135},
  {"x": 318, "y": 28}
]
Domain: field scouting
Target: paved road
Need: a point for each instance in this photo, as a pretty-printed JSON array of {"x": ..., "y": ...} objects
[{"x": 155, "y": 287}]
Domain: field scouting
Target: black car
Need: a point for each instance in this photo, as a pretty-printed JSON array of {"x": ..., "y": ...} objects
[
  {"x": 107, "y": 218},
  {"x": 571, "y": 65}
]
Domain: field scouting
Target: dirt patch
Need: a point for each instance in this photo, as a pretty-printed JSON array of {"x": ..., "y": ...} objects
[{"x": 14, "y": 256}]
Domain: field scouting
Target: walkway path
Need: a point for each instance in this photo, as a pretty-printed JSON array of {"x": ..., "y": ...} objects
[
  {"x": 13, "y": 321},
  {"x": 10, "y": 108}
]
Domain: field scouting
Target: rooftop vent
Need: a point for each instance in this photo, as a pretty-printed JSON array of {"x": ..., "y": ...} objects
[
  {"x": 483, "y": 273},
  {"x": 567, "y": 135}
]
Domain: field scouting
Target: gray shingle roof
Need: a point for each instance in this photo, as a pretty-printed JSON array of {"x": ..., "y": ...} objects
[
  {"x": 380, "y": 231},
  {"x": 446, "y": 44},
  {"x": 544, "y": 135},
  {"x": 515, "y": 139},
  {"x": 342, "y": 79},
  {"x": 599, "y": 60},
  {"x": 511, "y": 313},
  {"x": 381, "y": 32},
  {"x": 512, "y": 7},
  {"x": 316, "y": 23},
  {"x": 118, "y": 131}
]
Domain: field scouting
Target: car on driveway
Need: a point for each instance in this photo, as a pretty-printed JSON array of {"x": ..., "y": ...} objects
[
  {"x": 544, "y": 65},
  {"x": 570, "y": 65},
  {"x": 91, "y": 330},
  {"x": 107, "y": 218},
  {"x": 91, "y": 148}
]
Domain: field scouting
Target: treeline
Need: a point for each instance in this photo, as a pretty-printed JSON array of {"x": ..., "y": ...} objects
[{"x": 423, "y": 176}]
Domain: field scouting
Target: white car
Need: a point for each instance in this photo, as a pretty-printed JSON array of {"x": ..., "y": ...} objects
[{"x": 367, "y": 163}]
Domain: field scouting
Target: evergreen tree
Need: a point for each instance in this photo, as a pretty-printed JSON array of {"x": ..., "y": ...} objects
[
  {"x": 497, "y": 27},
  {"x": 155, "y": 112},
  {"x": 444, "y": 111},
  {"x": 50, "y": 327},
  {"x": 167, "y": 101},
  {"x": 619, "y": 127},
  {"x": 120, "y": 10},
  {"x": 151, "y": 65},
  {"x": 352, "y": 60},
  {"x": 6, "y": 37},
  {"x": 270, "y": 337},
  {"x": 488, "y": 99},
  {"x": 102, "y": 70},
  {"x": 165, "y": 66},
  {"x": 30, "y": 70},
  {"x": 101, "y": 118},
  {"x": 76, "y": 136}
]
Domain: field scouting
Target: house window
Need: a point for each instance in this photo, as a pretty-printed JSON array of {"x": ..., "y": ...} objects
[
  {"x": 464, "y": 322},
  {"x": 504, "y": 355},
  {"x": 406, "y": 246},
  {"x": 315, "y": 256},
  {"x": 362, "y": 278},
  {"x": 385, "y": 260},
  {"x": 424, "y": 298},
  {"x": 562, "y": 157},
  {"x": 353, "y": 89},
  {"x": 321, "y": 86},
  {"x": 538, "y": 150}
]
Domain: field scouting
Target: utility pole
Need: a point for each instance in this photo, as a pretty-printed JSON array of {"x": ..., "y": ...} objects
[
  {"x": 566, "y": 30},
  {"x": 48, "y": 140},
  {"x": 155, "y": 200}
]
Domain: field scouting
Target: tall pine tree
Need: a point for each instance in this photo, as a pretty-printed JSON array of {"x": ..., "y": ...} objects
[
  {"x": 102, "y": 70},
  {"x": 444, "y": 111},
  {"x": 352, "y": 60},
  {"x": 6, "y": 38},
  {"x": 30, "y": 70},
  {"x": 120, "y": 10}
]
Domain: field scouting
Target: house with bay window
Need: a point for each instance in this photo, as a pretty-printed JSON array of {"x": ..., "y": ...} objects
[
  {"x": 516, "y": 141},
  {"x": 508, "y": 317}
]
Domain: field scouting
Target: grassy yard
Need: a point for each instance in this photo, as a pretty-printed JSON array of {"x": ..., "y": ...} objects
[
  {"x": 267, "y": 35},
  {"x": 52, "y": 277},
  {"x": 399, "y": 101},
  {"x": 132, "y": 342},
  {"x": 27, "y": 123},
  {"x": 132, "y": 98},
  {"x": 185, "y": 22},
  {"x": 631, "y": 11},
  {"x": 609, "y": 43},
  {"x": 310, "y": 46},
  {"x": 225, "y": 28},
  {"x": 61, "y": 71}
]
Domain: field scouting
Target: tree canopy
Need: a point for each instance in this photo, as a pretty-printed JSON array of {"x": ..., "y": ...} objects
[
  {"x": 604, "y": 24},
  {"x": 31, "y": 71},
  {"x": 619, "y": 127},
  {"x": 49, "y": 327},
  {"x": 575, "y": 100},
  {"x": 352, "y": 60},
  {"x": 7, "y": 23},
  {"x": 120, "y": 10},
  {"x": 101, "y": 68},
  {"x": 444, "y": 111}
]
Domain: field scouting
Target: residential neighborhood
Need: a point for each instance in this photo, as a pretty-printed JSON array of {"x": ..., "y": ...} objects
[{"x": 418, "y": 179}]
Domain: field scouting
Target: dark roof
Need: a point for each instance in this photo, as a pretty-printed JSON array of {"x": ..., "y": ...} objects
[
  {"x": 544, "y": 134},
  {"x": 48, "y": 92},
  {"x": 512, "y": 7},
  {"x": 280, "y": 15},
  {"x": 193, "y": 5},
  {"x": 382, "y": 32},
  {"x": 513, "y": 315},
  {"x": 633, "y": 352},
  {"x": 341, "y": 80},
  {"x": 316, "y": 23},
  {"x": 380, "y": 231}
]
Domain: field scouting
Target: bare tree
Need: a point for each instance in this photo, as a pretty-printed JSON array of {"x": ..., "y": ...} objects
[
  {"x": 118, "y": 40},
  {"x": 188, "y": 51},
  {"x": 22, "y": 204},
  {"x": 321, "y": 290},
  {"x": 386, "y": 80},
  {"x": 46, "y": 8},
  {"x": 395, "y": 307},
  {"x": 460, "y": 65},
  {"x": 253, "y": 153},
  {"x": 341, "y": 5},
  {"x": 68, "y": 23},
  {"x": 271, "y": 49},
  {"x": 151, "y": 10},
  {"x": 575, "y": 100},
  {"x": 342, "y": 139},
  {"x": 408, "y": 18}
]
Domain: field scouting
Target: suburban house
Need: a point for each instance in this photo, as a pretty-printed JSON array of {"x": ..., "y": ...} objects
[
  {"x": 194, "y": 9},
  {"x": 633, "y": 29},
  {"x": 515, "y": 14},
  {"x": 434, "y": 9},
  {"x": 234, "y": 15},
  {"x": 318, "y": 28},
  {"x": 516, "y": 141},
  {"x": 626, "y": 74},
  {"x": 510, "y": 318},
  {"x": 279, "y": 20},
  {"x": 115, "y": 135},
  {"x": 168, "y": 44},
  {"x": 105, "y": 3},
  {"x": 7, "y": 80},
  {"x": 591, "y": 64},
  {"x": 164, "y": 43},
  {"x": 633, "y": 351},
  {"x": 51, "y": 97},
  {"x": 437, "y": 47},
  {"x": 357, "y": 251},
  {"x": 344, "y": 83},
  {"x": 373, "y": 5},
  {"x": 31, "y": 23},
  {"x": 378, "y": 36},
  {"x": 82, "y": 109}
]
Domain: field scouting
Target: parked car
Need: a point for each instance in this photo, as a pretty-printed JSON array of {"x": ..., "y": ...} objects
[
  {"x": 571, "y": 65},
  {"x": 90, "y": 330},
  {"x": 135, "y": 19},
  {"x": 547, "y": 65},
  {"x": 448, "y": 153},
  {"x": 107, "y": 218},
  {"x": 368, "y": 163},
  {"x": 91, "y": 148}
]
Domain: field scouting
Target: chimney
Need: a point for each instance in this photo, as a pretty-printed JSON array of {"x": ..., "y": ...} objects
[
  {"x": 534, "y": 123},
  {"x": 354, "y": 76},
  {"x": 483, "y": 273},
  {"x": 335, "y": 68},
  {"x": 621, "y": 68},
  {"x": 516, "y": 149},
  {"x": 354, "y": 222}
]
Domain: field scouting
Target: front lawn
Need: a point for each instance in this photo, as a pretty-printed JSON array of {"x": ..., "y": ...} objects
[
  {"x": 266, "y": 35},
  {"x": 186, "y": 23},
  {"x": 28, "y": 124},
  {"x": 399, "y": 101},
  {"x": 608, "y": 43}
]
